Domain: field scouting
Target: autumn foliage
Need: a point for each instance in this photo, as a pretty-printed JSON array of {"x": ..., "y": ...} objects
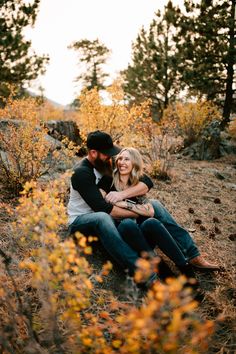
[
  {"x": 27, "y": 152},
  {"x": 28, "y": 108},
  {"x": 56, "y": 302},
  {"x": 116, "y": 117},
  {"x": 189, "y": 119},
  {"x": 57, "y": 306}
]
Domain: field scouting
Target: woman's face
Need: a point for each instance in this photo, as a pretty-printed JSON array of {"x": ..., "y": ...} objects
[{"x": 124, "y": 163}]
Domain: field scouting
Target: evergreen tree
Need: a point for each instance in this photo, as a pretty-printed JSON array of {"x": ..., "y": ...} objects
[
  {"x": 18, "y": 64},
  {"x": 208, "y": 49},
  {"x": 153, "y": 73},
  {"x": 94, "y": 54}
]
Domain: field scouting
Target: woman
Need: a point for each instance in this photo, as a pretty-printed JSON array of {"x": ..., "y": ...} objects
[{"x": 148, "y": 231}]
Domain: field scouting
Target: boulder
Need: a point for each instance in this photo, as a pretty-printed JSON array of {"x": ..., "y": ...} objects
[
  {"x": 5, "y": 123},
  {"x": 208, "y": 145},
  {"x": 59, "y": 129}
]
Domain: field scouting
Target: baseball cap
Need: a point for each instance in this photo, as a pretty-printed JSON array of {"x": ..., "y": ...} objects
[{"x": 102, "y": 142}]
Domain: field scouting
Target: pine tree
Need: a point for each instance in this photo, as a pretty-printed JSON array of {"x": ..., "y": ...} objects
[
  {"x": 94, "y": 54},
  {"x": 153, "y": 72},
  {"x": 208, "y": 49},
  {"x": 18, "y": 63}
]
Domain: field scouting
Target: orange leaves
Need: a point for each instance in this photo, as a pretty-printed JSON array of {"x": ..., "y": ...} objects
[
  {"x": 28, "y": 154},
  {"x": 106, "y": 268},
  {"x": 25, "y": 109},
  {"x": 145, "y": 267},
  {"x": 191, "y": 118},
  {"x": 41, "y": 212},
  {"x": 46, "y": 111},
  {"x": 62, "y": 279},
  {"x": 116, "y": 344},
  {"x": 164, "y": 323},
  {"x": 114, "y": 116},
  {"x": 91, "y": 320},
  {"x": 29, "y": 109},
  {"x": 25, "y": 150}
]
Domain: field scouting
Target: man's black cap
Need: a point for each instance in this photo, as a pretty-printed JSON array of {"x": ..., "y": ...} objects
[{"x": 102, "y": 142}]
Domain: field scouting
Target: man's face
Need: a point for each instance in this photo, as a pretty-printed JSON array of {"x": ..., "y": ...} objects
[{"x": 103, "y": 164}]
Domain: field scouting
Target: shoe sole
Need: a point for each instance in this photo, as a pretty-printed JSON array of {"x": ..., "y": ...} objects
[{"x": 205, "y": 268}]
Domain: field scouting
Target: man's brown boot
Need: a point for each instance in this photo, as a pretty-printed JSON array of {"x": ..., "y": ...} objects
[{"x": 200, "y": 263}]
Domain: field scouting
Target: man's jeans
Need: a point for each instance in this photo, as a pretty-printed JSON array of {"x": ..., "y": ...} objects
[
  {"x": 102, "y": 225},
  {"x": 179, "y": 234}
]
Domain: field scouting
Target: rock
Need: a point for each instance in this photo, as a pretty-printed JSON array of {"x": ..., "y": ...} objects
[
  {"x": 54, "y": 143},
  {"x": 219, "y": 175},
  {"x": 232, "y": 237},
  {"x": 211, "y": 145},
  {"x": 5, "y": 162},
  {"x": 215, "y": 219},
  {"x": 198, "y": 221},
  {"x": 60, "y": 129},
  {"x": 231, "y": 186},
  {"x": 202, "y": 228},
  {"x": 5, "y": 123},
  {"x": 227, "y": 147},
  {"x": 208, "y": 145},
  {"x": 191, "y": 230}
]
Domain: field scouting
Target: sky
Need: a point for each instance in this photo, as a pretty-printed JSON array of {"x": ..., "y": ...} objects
[{"x": 116, "y": 23}]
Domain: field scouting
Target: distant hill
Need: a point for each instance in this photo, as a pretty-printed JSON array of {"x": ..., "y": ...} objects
[{"x": 53, "y": 103}]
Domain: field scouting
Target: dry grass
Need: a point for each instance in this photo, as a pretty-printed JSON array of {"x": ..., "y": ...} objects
[{"x": 201, "y": 196}]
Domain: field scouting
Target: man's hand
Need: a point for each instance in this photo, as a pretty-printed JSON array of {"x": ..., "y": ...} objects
[{"x": 114, "y": 197}]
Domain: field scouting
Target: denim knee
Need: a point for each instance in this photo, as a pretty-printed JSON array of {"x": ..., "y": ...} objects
[
  {"x": 127, "y": 225},
  {"x": 104, "y": 218},
  {"x": 150, "y": 223}
]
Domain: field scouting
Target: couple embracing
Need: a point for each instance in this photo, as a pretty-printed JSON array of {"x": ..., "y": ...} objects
[{"x": 112, "y": 206}]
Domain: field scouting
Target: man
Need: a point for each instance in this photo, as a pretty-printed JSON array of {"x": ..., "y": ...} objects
[{"x": 89, "y": 213}]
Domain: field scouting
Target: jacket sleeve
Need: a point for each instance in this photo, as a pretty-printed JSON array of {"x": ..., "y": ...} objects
[
  {"x": 105, "y": 183},
  {"x": 147, "y": 180},
  {"x": 83, "y": 181}
]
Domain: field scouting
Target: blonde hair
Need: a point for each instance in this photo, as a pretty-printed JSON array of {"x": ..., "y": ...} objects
[{"x": 137, "y": 168}]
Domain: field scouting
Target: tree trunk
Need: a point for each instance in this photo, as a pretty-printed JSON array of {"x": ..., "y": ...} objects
[{"x": 230, "y": 71}]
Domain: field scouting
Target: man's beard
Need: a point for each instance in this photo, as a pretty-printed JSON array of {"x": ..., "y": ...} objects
[{"x": 104, "y": 167}]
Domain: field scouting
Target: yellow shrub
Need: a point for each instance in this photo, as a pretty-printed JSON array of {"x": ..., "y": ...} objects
[
  {"x": 164, "y": 323},
  {"x": 123, "y": 123},
  {"x": 28, "y": 108},
  {"x": 160, "y": 169},
  {"x": 46, "y": 111},
  {"x": 25, "y": 149},
  {"x": 25, "y": 108},
  {"x": 27, "y": 154},
  {"x": 65, "y": 310},
  {"x": 190, "y": 119}
]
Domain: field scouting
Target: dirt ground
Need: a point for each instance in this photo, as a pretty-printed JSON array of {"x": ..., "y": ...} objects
[{"x": 201, "y": 195}]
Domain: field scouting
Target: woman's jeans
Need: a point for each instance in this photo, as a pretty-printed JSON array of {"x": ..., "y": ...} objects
[
  {"x": 102, "y": 225},
  {"x": 161, "y": 231},
  {"x": 179, "y": 234}
]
